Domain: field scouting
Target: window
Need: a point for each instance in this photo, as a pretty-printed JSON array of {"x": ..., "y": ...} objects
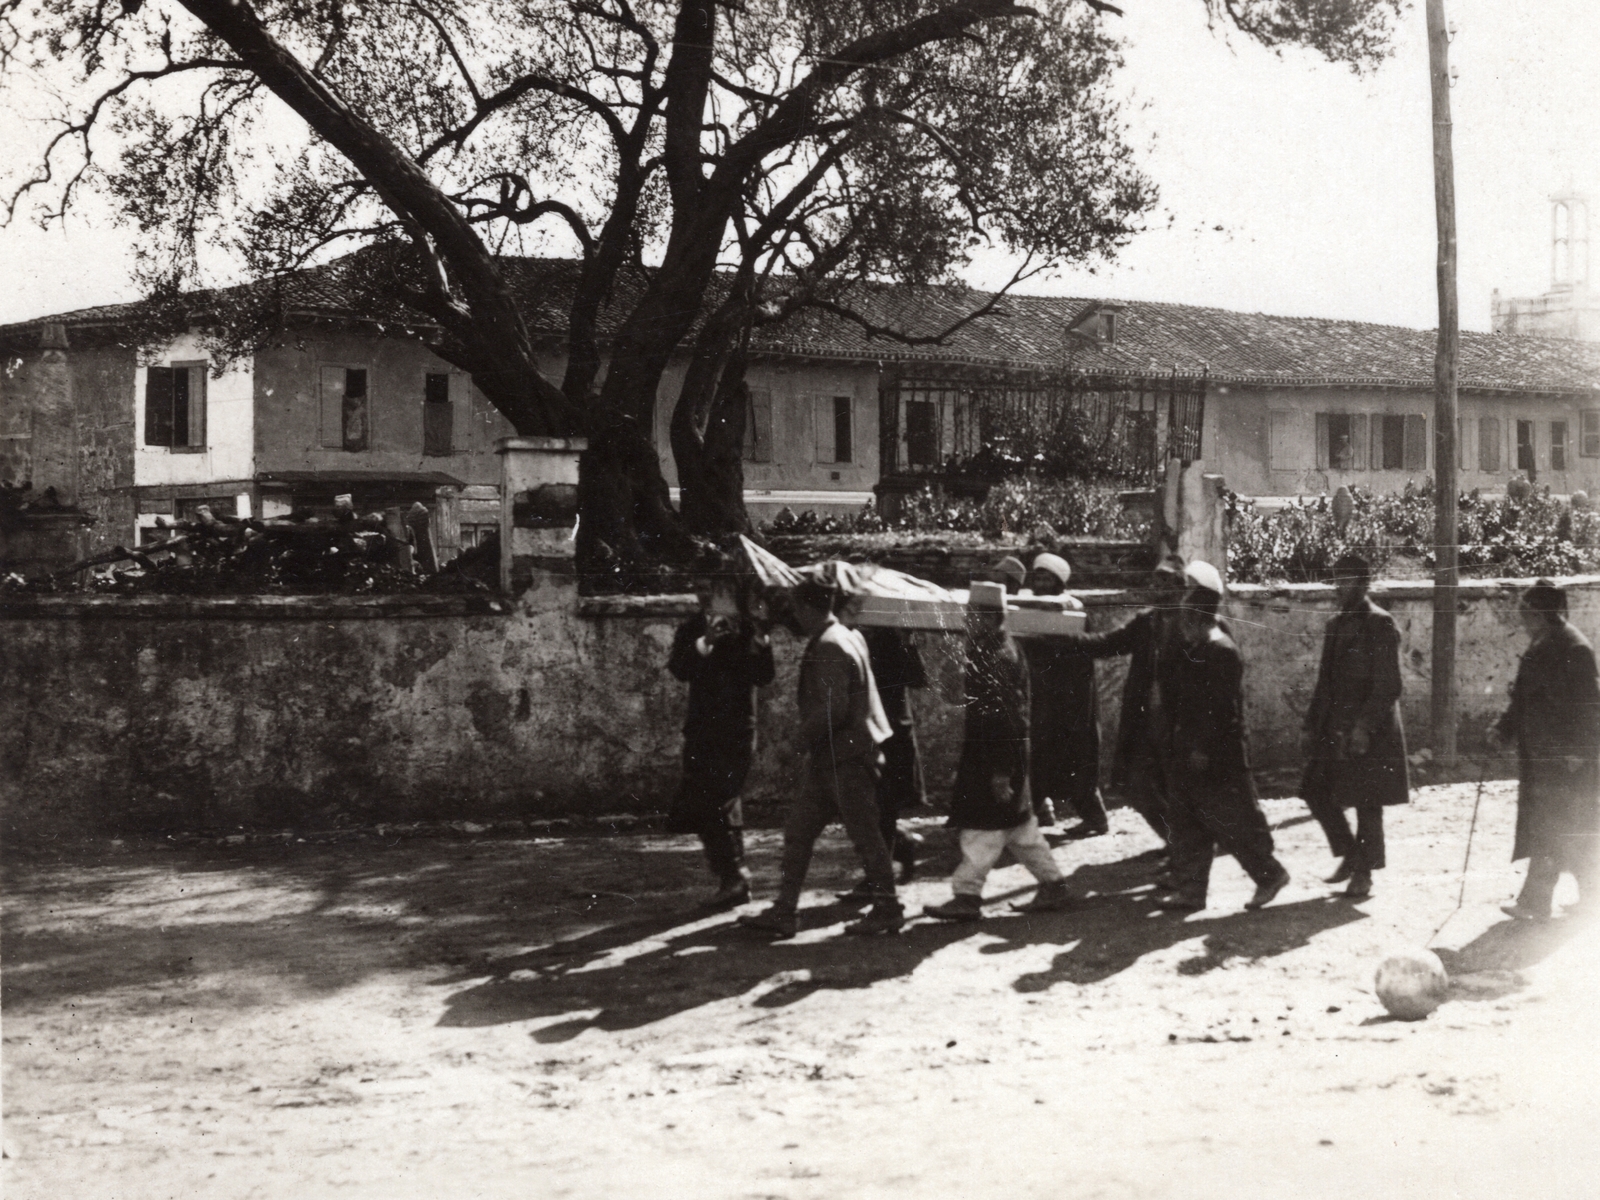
[
  {"x": 1390, "y": 452},
  {"x": 833, "y": 416},
  {"x": 175, "y": 406},
  {"x": 1463, "y": 453},
  {"x": 1558, "y": 445},
  {"x": 1489, "y": 445},
  {"x": 1525, "y": 460},
  {"x": 346, "y": 419},
  {"x": 922, "y": 433},
  {"x": 1341, "y": 441},
  {"x": 438, "y": 418},
  {"x": 758, "y": 427},
  {"x": 1589, "y": 447}
]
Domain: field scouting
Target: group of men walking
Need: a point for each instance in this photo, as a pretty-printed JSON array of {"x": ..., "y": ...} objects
[{"x": 1031, "y": 741}]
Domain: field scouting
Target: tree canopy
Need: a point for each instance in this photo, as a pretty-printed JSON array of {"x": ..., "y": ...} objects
[{"x": 762, "y": 155}]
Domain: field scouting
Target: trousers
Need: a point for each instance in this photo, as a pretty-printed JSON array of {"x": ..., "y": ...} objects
[
  {"x": 1367, "y": 839},
  {"x": 981, "y": 849},
  {"x": 1544, "y": 872},
  {"x": 844, "y": 792},
  {"x": 1144, "y": 789},
  {"x": 1205, "y": 816}
]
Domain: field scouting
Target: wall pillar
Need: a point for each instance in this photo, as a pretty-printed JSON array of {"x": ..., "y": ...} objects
[
  {"x": 55, "y": 441},
  {"x": 1193, "y": 516},
  {"x": 538, "y": 517}
]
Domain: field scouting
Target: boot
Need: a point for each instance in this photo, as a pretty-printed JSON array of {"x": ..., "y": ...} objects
[
  {"x": 1360, "y": 885},
  {"x": 885, "y": 917},
  {"x": 957, "y": 908},
  {"x": 735, "y": 890},
  {"x": 862, "y": 893},
  {"x": 1267, "y": 892},
  {"x": 780, "y": 923},
  {"x": 1347, "y": 868},
  {"x": 1051, "y": 897}
]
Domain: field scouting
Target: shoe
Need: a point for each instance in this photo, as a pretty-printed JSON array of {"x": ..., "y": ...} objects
[
  {"x": 862, "y": 893},
  {"x": 885, "y": 917},
  {"x": 1051, "y": 897},
  {"x": 1523, "y": 914},
  {"x": 730, "y": 895},
  {"x": 774, "y": 920},
  {"x": 1360, "y": 885},
  {"x": 1267, "y": 892},
  {"x": 1046, "y": 812},
  {"x": 1347, "y": 868},
  {"x": 1084, "y": 830},
  {"x": 957, "y": 908},
  {"x": 1178, "y": 902}
]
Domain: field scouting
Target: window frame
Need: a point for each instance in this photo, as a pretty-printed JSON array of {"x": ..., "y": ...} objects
[
  {"x": 1589, "y": 428},
  {"x": 431, "y": 423},
  {"x": 1559, "y": 444},
  {"x": 194, "y": 373}
]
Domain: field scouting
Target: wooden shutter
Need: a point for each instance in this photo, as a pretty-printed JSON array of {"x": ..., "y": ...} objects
[
  {"x": 1589, "y": 443},
  {"x": 438, "y": 419},
  {"x": 158, "y": 406},
  {"x": 1463, "y": 453},
  {"x": 822, "y": 418},
  {"x": 1416, "y": 445},
  {"x": 758, "y": 426},
  {"x": 1322, "y": 441},
  {"x": 331, "y": 381},
  {"x": 1375, "y": 443},
  {"x": 1558, "y": 445},
  {"x": 1489, "y": 444},
  {"x": 1358, "y": 442}
]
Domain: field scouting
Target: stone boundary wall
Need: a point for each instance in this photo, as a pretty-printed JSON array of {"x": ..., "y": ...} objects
[{"x": 175, "y": 713}]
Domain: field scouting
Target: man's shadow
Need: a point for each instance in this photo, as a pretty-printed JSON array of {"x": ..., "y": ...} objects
[
  {"x": 1490, "y": 966},
  {"x": 625, "y": 976}
]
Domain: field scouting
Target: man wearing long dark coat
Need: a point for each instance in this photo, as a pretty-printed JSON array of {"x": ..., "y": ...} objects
[
  {"x": 1211, "y": 799},
  {"x": 1355, "y": 742},
  {"x": 1137, "y": 773},
  {"x": 1554, "y": 719},
  {"x": 1064, "y": 735},
  {"x": 897, "y": 668},
  {"x": 723, "y": 658}
]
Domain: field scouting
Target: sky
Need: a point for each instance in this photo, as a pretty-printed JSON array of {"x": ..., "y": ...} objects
[{"x": 1288, "y": 185}]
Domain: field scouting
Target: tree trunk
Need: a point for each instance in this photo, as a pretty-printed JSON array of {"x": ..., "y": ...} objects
[{"x": 708, "y": 428}]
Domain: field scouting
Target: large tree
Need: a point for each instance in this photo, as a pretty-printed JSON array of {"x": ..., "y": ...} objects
[{"x": 800, "y": 145}]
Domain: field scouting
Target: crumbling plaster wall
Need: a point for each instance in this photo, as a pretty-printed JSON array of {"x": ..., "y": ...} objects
[{"x": 273, "y": 712}]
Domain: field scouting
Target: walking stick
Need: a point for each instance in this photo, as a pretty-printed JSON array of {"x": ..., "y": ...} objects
[{"x": 1461, "y": 893}]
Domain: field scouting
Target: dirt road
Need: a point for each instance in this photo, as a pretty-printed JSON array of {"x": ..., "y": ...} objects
[{"x": 550, "y": 1018}]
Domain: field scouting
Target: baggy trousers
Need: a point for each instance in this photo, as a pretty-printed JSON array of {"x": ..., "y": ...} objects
[
  {"x": 1145, "y": 790},
  {"x": 981, "y": 849},
  {"x": 844, "y": 792},
  {"x": 1205, "y": 816},
  {"x": 1366, "y": 841}
]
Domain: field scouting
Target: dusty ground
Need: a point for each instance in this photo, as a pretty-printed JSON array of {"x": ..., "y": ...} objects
[{"x": 550, "y": 1019}]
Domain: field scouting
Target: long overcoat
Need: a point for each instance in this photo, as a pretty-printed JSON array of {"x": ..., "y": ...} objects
[
  {"x": 1065, "y": 727},
  {"x": 1138, "y": 638},
  {"x": 1358, "y": 685},
  {"x": 719, "y": 731},
  {"x": 991, "y": 789},
  {"x": 1555, "y": 717},
  {"x": 1203, "y": 698}
]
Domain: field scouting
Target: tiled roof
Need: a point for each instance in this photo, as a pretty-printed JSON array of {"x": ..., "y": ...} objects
[{"x": 1152, "y": 338}]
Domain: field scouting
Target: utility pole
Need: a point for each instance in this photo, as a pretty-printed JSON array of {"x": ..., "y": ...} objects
[{"x": 1445, "y": 572}]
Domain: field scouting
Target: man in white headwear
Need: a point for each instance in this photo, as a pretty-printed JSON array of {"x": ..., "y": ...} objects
[{"x": 1211, "y": 797}]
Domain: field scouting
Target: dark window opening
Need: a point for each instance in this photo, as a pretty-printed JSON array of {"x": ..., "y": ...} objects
[
  {"x": 175, "y": 406},
  {"x": 842, "y": 450},
  {"x": 1341, "y": 442},
  {"x": 1525, "y": 457},
  {"x": 922, "y": 434},
  {"x": 438, "y": 417},
  {"x": 355, "y": 424},
  {"x": 1558, "y": 445}
]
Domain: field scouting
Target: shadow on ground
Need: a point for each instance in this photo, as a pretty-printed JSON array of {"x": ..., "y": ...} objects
[{"x": 1490, "y": 966}]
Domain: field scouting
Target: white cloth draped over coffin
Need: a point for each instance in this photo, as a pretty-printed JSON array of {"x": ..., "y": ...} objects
[{"x": 882, "y": 596}]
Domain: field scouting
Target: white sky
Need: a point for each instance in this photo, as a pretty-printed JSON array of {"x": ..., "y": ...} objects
[{"x": 1321, "y": 181}]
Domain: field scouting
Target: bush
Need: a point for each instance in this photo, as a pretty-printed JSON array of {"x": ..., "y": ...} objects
[
  {"x": 1536, "y": 535},
  {"x": 1071, "y": 507}
]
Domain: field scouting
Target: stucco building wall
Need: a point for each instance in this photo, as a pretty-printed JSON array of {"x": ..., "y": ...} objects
[{"x": 272, "y": 712}]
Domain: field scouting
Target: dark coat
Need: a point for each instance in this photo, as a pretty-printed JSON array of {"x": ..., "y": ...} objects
[
  {"x": 1139, "y": 639},
  {"x": 896, "y": 668},
  {"x": 1065, "y": 726},
  {"x": 719, "y": 732},
  {"x": 1358, "y": 686},
  {"x": 841, "y": 716},
  {"x": 991, "y": 789},
  {"x": 1202, "y": 696},
  {"x": 1554, "y": 716}
]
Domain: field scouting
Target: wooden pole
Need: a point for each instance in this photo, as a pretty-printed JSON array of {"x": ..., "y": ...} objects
[{"x": 1445, "y": 572}]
